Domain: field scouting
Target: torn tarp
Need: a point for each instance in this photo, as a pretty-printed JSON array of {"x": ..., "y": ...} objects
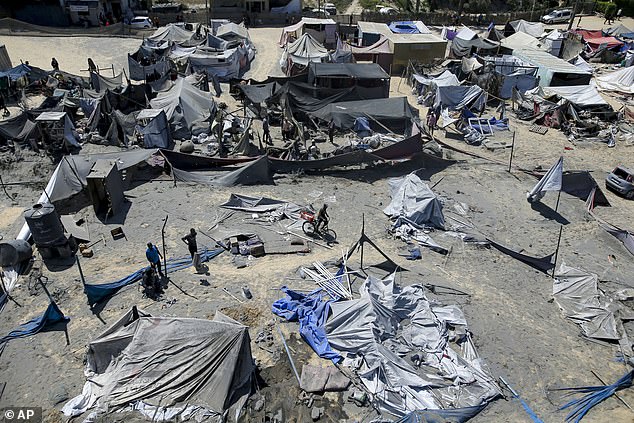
[
  {"x": 262, "y": 205},
  {"x": 97, "y": 293},
  {"x": 410, "y": 353},
  {"x": 311, "y": 311},
  {"x": 256, "y": 172},
  {"x": 551, "y": 181},
  {"x": 626, "y": 237},
  {"x": 452, "y": 415},
  {"x": 577, "y": 294},
  {"x": 51, "y": 316},
  {"x": 543, "y": 264}
]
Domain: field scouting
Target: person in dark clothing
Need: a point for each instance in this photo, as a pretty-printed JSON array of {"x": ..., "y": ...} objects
[
  {"x": 3, "y": 106},
  {"x": 190, "y": 240},
  {"x": 331, "y": 130},
  {"x": 266, "y": 131},
  {"x": 54, "y": 64},
  {"x": 154, "y": 257},
  {"x": 151, "y": 284},
  {"x": 322, "y": 217}
]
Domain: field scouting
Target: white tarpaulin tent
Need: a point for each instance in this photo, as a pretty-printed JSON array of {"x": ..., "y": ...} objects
[
  {"x": 620, "y": 80},
  {"x": 170, "y": 33},
  {"x": 184, "y": 105},
  {"x": 168, "y": 367},
  {"x": 534, "y": 29},
  {"x": 581, "y": 95}
]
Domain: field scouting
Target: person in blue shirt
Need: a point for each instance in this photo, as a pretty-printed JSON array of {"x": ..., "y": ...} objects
[{"x": 154, "y": 257}]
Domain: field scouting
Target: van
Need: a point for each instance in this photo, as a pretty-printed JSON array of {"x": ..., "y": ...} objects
[
  {"x": 330, "y": 8},
  {"x": 557, "y": 16}
]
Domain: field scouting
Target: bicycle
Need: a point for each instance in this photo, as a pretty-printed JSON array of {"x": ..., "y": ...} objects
[{"x": 310, "y": 227}]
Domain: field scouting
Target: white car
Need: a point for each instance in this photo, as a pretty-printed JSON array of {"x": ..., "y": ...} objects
[
  {"x": 330, "y": 8},
  {"x": 141, "y": 22},
  {"x": 557, "y": 16},
  {"x": 388, "y": 11}
]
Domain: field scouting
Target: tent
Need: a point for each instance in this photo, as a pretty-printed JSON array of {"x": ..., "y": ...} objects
[
  {"x": 224, "y": 64},
  {"x": 5, "y": 60},
  {"x": 620, "y": 31},
  {"x": 621, "y": 81},
  {"x": 445, "y": 79},
  {"x": 579, "y": 95},
  {"x": 394, "y": 113},
  {"x": 534, "y": 29},
  {"x": 298, "y": 54},
  {"x": 156, "y": 133},
  {"x": 145, "y": 64},
  {"x": 415, "y": 202},
  {"x": 595, "y": 39},
  {"x": 171, "y": 34},
  {"x": 463, "y": 46},
  {"x": 409, "y": 27},
  {"x": 231, "y": 31},
  {"x": 380, "y": 53},
  {"x": 18, "y": 127},
  {"x": 168, "y": 367},
  {"x": 521, "y": 40},
  {"x": 184, "y": 106},
  {"x": 459, "y": 96},
  {"x": 323, "y": 30},
  {"x": 551, "y": 70}
]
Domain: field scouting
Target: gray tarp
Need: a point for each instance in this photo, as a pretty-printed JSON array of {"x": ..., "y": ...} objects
[
  {"x": 156, "y": 133},
  {"x": 301, "y": 52},
  {"x": 252, "y": 173},
  {"x": 457, "y": 97},
  {"x": 184, "y": 105},
  {"x": 413, "y": 200},
  {"x": 586, "y": 95},
  {"x": 386, "y": 327},
  {"x": 170, "y": 33},
  {"x": 460, "y": 47},
  {"x": 395, "y": 113},
  {"x": 261, "y": 205},
  {"x": 199, "y": 367},
  {"x": 577, "y": 294}
]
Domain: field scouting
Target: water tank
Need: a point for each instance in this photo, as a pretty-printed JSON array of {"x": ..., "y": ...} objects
[
  {"x": 14, "y": 252},
  {"x": 45, "y": 225}
]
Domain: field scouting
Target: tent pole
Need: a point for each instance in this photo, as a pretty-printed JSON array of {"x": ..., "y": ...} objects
[
  {"x": 163, "y": 241},
  {"x": 561, "y": 228},
  {"x": 81, "y": 272},
  {"x": 558, "y": 198},
  {"x": 512, "y": 148},
  {"x": 362, "y": 237}
]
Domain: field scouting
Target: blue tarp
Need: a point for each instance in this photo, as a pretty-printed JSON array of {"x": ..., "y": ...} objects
[
  {"x": 312, "y": 312},
  {"x": 404, "y": 27},
  {"x": 97, "y": 293},
  {"x": 452, "y": 415},
  {"x": 51, "y": 316},
  {"x": 361, "y": 124},
  {"x": 17, "y": 72}
]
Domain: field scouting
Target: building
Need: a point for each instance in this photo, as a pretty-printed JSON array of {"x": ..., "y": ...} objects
[{"x": 88, "y": 11}]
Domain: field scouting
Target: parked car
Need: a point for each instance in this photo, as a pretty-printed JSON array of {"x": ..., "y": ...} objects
[
  {"x": 388, "y": 11},
  {"x": 141, "y": 22},
  {"x": 557, "y": 16},
  {"x": 330, "y": 8},
  {"x": 621, "y": 180}
]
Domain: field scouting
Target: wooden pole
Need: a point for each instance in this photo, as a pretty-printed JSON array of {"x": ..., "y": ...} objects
[
  {"x": 561, "y": 228},
  {"x": 163, "y": 241},
  {"x": 558, "y": 197},
  {"x": 81, "y": 273},
  {"x": 512, "y": 149}
]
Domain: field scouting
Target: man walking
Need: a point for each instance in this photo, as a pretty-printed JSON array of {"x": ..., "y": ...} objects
[
  {"x": 190, "y": 240},
  {"x": 266, "y": 131},
  {"x": 54, "y": 64},
  {"x": 154, "y": 257}
]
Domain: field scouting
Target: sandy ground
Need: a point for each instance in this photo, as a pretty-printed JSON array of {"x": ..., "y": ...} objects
[{"x": 518, "y": 330}]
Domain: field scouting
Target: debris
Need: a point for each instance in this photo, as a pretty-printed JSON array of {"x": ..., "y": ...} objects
[
  {"x": 117, "y": 233},
  {"x": 530, "y": 412},
  {"x": 316, "y": 413},
  {"x": 233, "y": 296},
  {"x": 246, "y": 292}
]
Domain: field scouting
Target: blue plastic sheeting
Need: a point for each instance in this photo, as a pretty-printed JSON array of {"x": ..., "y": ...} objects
[
  {"x": 595, "y": 394},
  {"x": 452, "y": 415},
  {"x": 361, "y": 124},
  {"x": 312, "y": 312},
  {"x": 51, "y": 316},
  {"x": 17, "y": 72},
  {"x": 97, "y": 293},
  {"x": 404, "y": 27}
]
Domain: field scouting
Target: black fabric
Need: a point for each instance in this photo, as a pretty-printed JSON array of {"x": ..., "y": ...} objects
[
  {"x": 393, "y": 113},
  {"x": 255, "y": 173},
  {"x": 349, "y": 70},
  {"x": 193, "y": 162},
  {"x": 580, "y": 184},
  {"x": 258, "y": 93},
  {"x": 12, "y": 127},
  {"x": 543, "y": 264}
]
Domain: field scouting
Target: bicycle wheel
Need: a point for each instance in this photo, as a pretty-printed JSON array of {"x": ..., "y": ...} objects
[
  {"x": 330, "y": 235},
  {"x": 308, "y": 228}
]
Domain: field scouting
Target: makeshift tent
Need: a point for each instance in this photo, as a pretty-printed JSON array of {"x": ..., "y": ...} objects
[
  {"x": 300, "y": 53},
  {"x": 156, "y": 133},
  {"x": 621, "y": 81},
  {"x": 457, "y": 97},
  {"x": 256, "y": 172},
  {"x": 596, "y": 40},
  {"x": 395, "y": 113},
  {"x": 57, "y": 128},
  {"x": 102, "y": 83},
  {"x": 551, "y": 181},
  {"x": 5, "y": 60},
  {"x": 582, "y": 96},
  {"x": 620, "y": 31},
  {"x": 414, "y": 202},
  {"x": 521, "y": 40},
  {"x": 170, "y": 33},
  {"x": 467, "y": 41},
  {"x": 380, "y": 53},
  {"x": 225, "y": 64},
  {"x": 534, "y": 29},
  {"x": 553, "y": 71},
  {"x": 369, "y": 78},
  {"x": 322, "y": 30},
  {"x": 16, "y": 73},
  {"x": 183, "y": 368},
  {"x": 230, "y": 31},
  {"x": 147, "y": 65},
  {"x": 445, "y": 79},
  {"x": 18, "y": 127},
  {"x": 184, "y": 106}
]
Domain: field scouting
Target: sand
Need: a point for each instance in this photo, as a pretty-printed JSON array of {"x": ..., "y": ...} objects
[{"x": 519, "y": 331}]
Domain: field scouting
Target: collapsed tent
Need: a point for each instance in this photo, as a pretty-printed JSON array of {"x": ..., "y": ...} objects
[
  {"x": 51, "y": 316},
  {"x": 18, "y": 127},
  {"x": 394, "y": 113},
  {"x": 543, "y": 264},
  {"x": 256, "y": 172},
  {"x": 387, "y": 318},
  {"x": 261, "y": 205},
  {"x": 582, "y": 96},
  {"x": 445, "y": 79},
  {"x": 596, "y": 40},
  {"x": 168, "y": 368},
  {"x": 414, "y": 202},
  {"x": 578, "y": 296},
  {"x": 185, "y": 106},
  {"x": 621, "y": 81}
]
